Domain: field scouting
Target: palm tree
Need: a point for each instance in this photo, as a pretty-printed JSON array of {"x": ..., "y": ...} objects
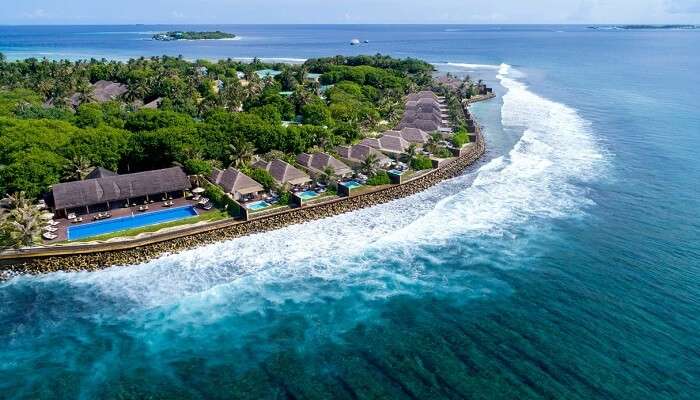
[
  {"x": 25, "y": 226},
  {"x": 77, "y": 168},
  {"x": 433, "y": 142},
  {"x": 328, "y": 175},
  {"x": 233, "y": 95},
  {"x": 85, "y": 92},
  {"x": 18, "y": 200},
  {"x": 410, "y": 153},
  {"x": 300, "y": 97},
  {"x": 241, "y": 153},
  {"x": 369, "y": 164}
]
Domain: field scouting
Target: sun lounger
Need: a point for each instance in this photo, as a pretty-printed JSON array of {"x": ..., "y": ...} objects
[
  {"x": 76, "y": 220},
  {"x": 53, "y": 223},
  {"x": 208, "y": 206},
  {"x": 49, "y": 236},
  {"x": 71, "y": 216},
  {"x": 50, "y": 229}
]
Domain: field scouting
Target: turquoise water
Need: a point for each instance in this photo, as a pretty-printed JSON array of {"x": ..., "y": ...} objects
[
  {"x": 351, "y": 184},
  {"x": 307, "y": 195},
  {"x": 135, "y": 221},
  {"x": 258, "y": 205},
  {"x": 564, "y": 265}
]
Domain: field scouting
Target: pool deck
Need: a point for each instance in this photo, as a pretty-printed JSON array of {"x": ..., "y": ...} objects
[{"x": 64, "y": 224}]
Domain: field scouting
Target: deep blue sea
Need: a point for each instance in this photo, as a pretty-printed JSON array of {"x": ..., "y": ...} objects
[{"x": 565, "y": 265}]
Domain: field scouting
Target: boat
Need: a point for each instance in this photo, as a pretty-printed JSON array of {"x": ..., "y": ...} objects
[
  {"x": 354, "y": 42},
  {"x": 365, "y": 41}
]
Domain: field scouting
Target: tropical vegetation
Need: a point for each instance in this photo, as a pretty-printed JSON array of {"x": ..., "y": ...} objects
[{"x": 209, "y": 114}]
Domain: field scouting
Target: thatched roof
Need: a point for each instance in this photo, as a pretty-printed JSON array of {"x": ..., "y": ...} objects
[
  {"x": 118, "y": 187},
  {"x": 412, "y": 135},
  {"x": 153, "y": 104},
  {"x": 388, "y": 144},
  {"x": 282, "y": 172},
  {"x": 318, "y": 162},
  {"x": 103, "y": 91},
  {"x": 235, "y": 182},
  {"x": 100, "y": 172},
  {"x": 425, "y": 94},
  {"x": 359, "y": 152},
  {"x": 425, "y": 125}
]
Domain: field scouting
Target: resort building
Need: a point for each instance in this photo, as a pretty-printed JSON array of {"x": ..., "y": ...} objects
[
  {"x": 425, "y": 94},
  {"x": 411, "y": 135},
  {"x": 317, "y": 163},
  {"x": 310, "y": 77},
  {"x": 283, "y": 172},
  {"x": 265, "y": 73},
  {"x": 153, "y": 104},
  {"x": 235, "y": 182},
  {"x": 103, "y": 91},
  {"x": 357, "y": 154},
  {"x": 387, "y": 144},
  {"x": 104, "y": 187}
]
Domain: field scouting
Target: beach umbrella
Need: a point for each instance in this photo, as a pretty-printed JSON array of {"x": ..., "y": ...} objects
[
  {"x": 47, "y": 215},
  {"x": 198, "y": 190}
]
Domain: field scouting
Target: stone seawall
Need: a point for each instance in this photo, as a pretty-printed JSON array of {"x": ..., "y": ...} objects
[{"x": 109, "y": 254}]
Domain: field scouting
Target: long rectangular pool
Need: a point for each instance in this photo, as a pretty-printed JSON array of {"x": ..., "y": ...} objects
[{"x": 135, "y": 221}]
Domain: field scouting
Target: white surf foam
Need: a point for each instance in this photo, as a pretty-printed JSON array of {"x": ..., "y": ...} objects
[
  {"x": 475, "y": 66},
  {"x": 378, "y": 252}
]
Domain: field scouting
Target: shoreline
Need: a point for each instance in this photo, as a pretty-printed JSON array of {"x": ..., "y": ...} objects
[{"x": 92, "y": 257}]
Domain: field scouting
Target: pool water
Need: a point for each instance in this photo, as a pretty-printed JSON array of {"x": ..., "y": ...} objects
[
  {"x": 134, "y": 221},
  {"x": 309, "y": 194},
  {"x": 395, "y": 172},
  {"x": 258, "y": 205},
  {"x": 351, "y": 184}
]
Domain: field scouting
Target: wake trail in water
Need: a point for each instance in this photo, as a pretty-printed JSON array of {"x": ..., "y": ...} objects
[{"x": 377, "y": 252}]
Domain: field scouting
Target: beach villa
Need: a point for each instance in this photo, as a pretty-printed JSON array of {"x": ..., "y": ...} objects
[
  {"x": 236, "y": 183},
  {"x": 411, "y": 135},
  {"x": 358, "y": 153},
  {"x": 317, "y": 163},
  {"x": 283, "y": 172},
  {"x": 105, "y": 188},
  {"x": 311, "y": 77},
  {"x": 102, "y": 91},
  {"x": 390, "y": 145},
  {"x": 265, "y": 73}
]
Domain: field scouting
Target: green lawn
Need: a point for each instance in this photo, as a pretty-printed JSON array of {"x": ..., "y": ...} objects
[{"x": 207, "y": 217}]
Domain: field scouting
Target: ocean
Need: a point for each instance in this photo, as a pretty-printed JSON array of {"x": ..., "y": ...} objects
[{"x": 566, "y": 264}]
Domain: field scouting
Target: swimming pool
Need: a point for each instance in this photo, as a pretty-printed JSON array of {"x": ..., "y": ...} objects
[
  {"x": 307, "y": 195},
  {"x": 395, "y": 172},
  {"x": 257, "y": 205},
  {"x": 135, "y": 221},
  {"x": 351, "y": 184}
]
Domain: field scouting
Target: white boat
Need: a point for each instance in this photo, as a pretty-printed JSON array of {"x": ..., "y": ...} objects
[{"x": 355, "y": 42}]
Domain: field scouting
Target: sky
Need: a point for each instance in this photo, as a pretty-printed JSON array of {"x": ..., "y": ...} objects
[{"x": 40, "y": 12}]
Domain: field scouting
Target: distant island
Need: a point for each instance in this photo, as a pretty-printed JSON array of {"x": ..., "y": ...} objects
[
  {"x": 180, "y": 35},
  {"x": 644, "y": 27}
]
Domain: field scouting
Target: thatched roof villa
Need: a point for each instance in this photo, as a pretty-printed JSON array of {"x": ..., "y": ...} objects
[
  {"x": 390, "y": 145},
  {"x": 283, "y": 172},
  {"x": 318, "y": 162},
  {"x": 235, "y": 182},
  {"x": 104, "y": 187},
  {"x": 358, "y": 153}
]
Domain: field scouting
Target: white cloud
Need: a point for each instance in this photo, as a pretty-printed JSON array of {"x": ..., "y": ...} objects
[{"x": 38, "y": 13}]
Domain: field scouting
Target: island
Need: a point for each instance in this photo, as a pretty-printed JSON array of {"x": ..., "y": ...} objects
[
  {"x": 644, "y": 27},
  {"x": 181, "y": 35},
  {"x": 126, "y": 161}
]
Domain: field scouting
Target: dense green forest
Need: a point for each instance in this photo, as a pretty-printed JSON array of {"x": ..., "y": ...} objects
[{"x": 53, "y": 129}]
